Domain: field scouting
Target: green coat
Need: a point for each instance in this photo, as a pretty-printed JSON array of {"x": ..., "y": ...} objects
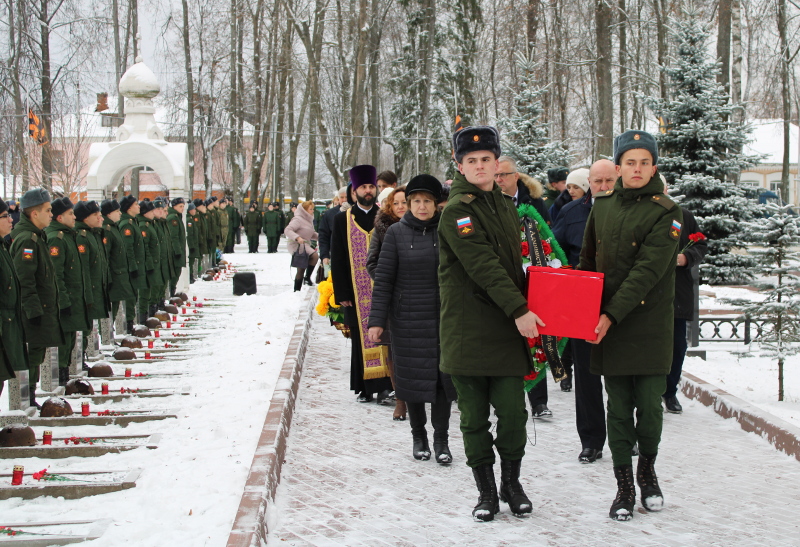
[
  {"x": 167, "y": 268},
  {"x": 177, "y": 236},
  {"x": 272, "y": 223},
  {"x": 224, "y": 222},
  {"x": 72, "y": 275},
  {"x": 252, "y": 223},
  {"x": 212, "y": 231},
  {"x": 38, "y": 287},
  {"x": 14, "y": 354},
  {"x": 286, "y": 219},
  {"x": 132, "y": 237},
  {"x": 99, "y": 306},
  {"x": 234, "y": 221},
  {"x": 202, "y": 233},
  {"x": 632, "y": 237},
  {"x": 192, "y": 242},
  {"x": 119, "y": 276},
  {"x": 152, "y": 251},
  {"x": 481, "y": 284}
]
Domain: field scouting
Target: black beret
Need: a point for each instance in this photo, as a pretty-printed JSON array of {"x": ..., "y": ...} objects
[
  {"x": 472, "y": 139},
  {"x": 126, "y": 202},
  {"x": 633, "y": 139},
  {"x": 425, "y": 183},
  {"x": 85, "y": 208},
  {"x": 177, "y": 201},
  {"x": 198, "y": 202},
  {"x": 61, "y": 206},
  {"x": 146, "y": 207},
  {"x": 34, "y": 197},
  {"x": 108, "y": 206},
  {"x": 557, "y": 174}
]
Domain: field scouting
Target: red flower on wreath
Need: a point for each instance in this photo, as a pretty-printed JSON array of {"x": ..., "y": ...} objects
[
  {"x": 548, "y": 250},
  {"x": 540, "y": 356},
  {"x": 532, "y": 376},
  {"x": 525, "y": 250},
  {"x": 535, "y": 342}
]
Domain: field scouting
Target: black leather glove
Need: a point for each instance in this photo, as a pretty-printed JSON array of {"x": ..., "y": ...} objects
[
  {"x": 36, "y": 321},
  {"x": 66, "y": 312},
  {"x": 134, "y": 274},
  {"x": 150, "y": 272}
]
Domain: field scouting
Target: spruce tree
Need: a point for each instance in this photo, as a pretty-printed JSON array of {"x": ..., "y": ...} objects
[
  {"x": 778, "y": 233},
  {"x": 525, "y": 135},
  {"x": 699, "y": 153}
]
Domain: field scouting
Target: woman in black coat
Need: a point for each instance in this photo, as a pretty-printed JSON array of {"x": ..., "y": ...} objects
[{"x": 406, "y": 298}]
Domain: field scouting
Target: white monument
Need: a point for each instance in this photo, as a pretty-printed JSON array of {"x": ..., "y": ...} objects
[{"x": 140, "y": 142}]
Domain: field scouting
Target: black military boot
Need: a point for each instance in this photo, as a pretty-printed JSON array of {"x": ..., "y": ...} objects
[
  {"x": 511, "y": 490},
  {"x": 297, "y": 284},
  {"x": 129, "y": 326},
  {"x": 622, "y": 508},
  {"x": 421, "y": 449},
  {"x": 488, "y": 502},
  {"x": 652, "y": 499},
  {"x": 63, "y": 376},
  {"x": 309, "y": 271},
  {"x": 32, "y": 398}
]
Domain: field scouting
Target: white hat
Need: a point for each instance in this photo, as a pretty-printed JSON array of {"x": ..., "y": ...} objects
[
  {"x": 580, "y": 178},
  {"x": 384, "y": 194}
]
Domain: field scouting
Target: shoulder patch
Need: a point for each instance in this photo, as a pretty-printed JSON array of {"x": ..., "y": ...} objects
[
  {"x": 174, "y": 222},
  {"x": 107, "y": 226},
  {"x": 664, "y": 201},
  {"x": 34, "y": 237},
  {"x": 81, "y": 248},
  {"x": 675, "y": 230},
  {"x": 464, "y": 227},
  {"x": 128, "y": 231},
  {"x": 105, "y": 241},
  {"x": 83, "y": 232},
  {"x": 60, "y": 235},
  {"x": 54, "y": 251},
  {"x": 469, "y": 198},
  {"x": 27, "y": 254},
  {"x": 604, "y": 194}
]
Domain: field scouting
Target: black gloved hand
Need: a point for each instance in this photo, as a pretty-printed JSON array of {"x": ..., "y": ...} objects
[
  {"x": 36, "y": 321},
  {"x": 66, "y": 312},
  {"x": 150, "y": 272},
  {"x": 134, "y": 274}
]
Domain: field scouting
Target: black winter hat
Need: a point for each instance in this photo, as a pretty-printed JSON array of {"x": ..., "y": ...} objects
[
  {"x": 3, "y": 206},
  {"x": 208, "y": 202},
  {"x": 177, "y": 201},
  {"x": 198, "y": 202},
  {"x": 425, "y": 183},
  {"x": 126, "y": 202},
  {"x": 108, "y": 206},
  {"x": 213, "y": 198},
  {"x": 85, "y": 208},
  {"x": 61, "y": 206},
  {"x": 146, "y": 207},
  {"x": 472, "y": 139},
  {"x": 33, "y": 197},
  {"x": 633, "y": 139},
  {"x": 159, "y": 203},
  {"x": 557, "y": 174}
]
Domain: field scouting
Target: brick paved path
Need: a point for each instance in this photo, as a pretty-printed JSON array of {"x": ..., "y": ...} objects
[{"x": 350, "y": 479}]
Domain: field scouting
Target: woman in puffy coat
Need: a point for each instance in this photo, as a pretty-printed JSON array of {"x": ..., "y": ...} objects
[
  {"x": 406, "y": 299},
  {"x": 299, "y": 233}
]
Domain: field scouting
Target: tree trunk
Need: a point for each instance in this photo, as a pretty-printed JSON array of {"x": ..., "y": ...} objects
[
  {"x": 605, "y": 100},
  {"x": 623, "y": 66},
  {"x": 16, "y": 26},
  {"x": 661, "y": 12},
  {"x": 785, "y": 96},
  {"x": 724, "y": 44},
  {"x": 532, "y": 24},
  {"x": 46, "y": 86},
  {"x": 187, "y": 56}
]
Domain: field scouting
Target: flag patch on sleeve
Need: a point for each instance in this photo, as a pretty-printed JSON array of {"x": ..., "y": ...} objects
[
  {"x": 464, "y": 226},
  {"x": 675, "y": 230},
  {"x": 27, "y": 254}
]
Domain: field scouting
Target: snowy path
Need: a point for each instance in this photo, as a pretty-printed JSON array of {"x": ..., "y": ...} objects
[{"x": 349, "y": 479}]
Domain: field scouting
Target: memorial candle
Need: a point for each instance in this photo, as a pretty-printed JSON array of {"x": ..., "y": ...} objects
[
  {"x": 84, "y": 408},
  {"x": 16, "y": 478},
  {"x": 47, "y": 438},
  {"x": 127, "y": 373},
  {"x": 104, "y": 388}
]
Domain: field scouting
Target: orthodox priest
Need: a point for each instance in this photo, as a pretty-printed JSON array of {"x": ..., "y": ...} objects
[{"x": 352, "y": 285}]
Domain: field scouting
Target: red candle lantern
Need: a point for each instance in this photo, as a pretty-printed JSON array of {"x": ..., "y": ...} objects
[
  {"x": 174, "y": 317},
  {"x": 16, "y": 478},
  {"x": 84, "y": 408},
  {"x": 194, "y": 298},
  {"x": 127, "y": 373},
  {"x": 147, "y": 355},
  {"x": 156, "y": 333},
  {"x": 183, "y": 311},
  {"x": 47, "y": 438},
  {"x": 169, "y": 324},
  {"x": 104, "y": 388},
  {"x": 150, "y": 343}
]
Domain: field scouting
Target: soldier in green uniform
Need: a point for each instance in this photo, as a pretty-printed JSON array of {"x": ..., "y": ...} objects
[
  {"x": 192, "y": 221},
  {"x": 234, "y": 224},
  {"x": 120, "y": 288},
  {"x": 37, "y": 280},
  {"x": 73, "y": 278},
  {"x": 272, "y": 228},
  {"x": 202, "y": 232},
  {"x": 177, "y": 237},
  {"x": 152, "y": 260},
  {"x": 252, "y": 227},
  {"x": 556, "y": 183},
  {"x": 224, "y": 224},
  {"x": 212, "y": 231},
  {"x": 167, "y": 268},
  {"x": 485, "y": 319},
  {"x": 632, "y": 236},
  {"x": 289, "y": 215},
  {"x": 132, "y": 237},
  {"x": 13, "y": 353},
  {"x": 89, "y": 239}
]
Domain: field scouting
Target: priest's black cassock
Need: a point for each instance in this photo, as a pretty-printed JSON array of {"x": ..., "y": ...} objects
[{"x": 343, "y": 291}]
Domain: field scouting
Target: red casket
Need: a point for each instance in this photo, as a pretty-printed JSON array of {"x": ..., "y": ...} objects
[{"x": 567, "y": 301}]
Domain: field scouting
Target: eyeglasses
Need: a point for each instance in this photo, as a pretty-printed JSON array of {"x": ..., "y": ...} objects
[
  {"x": 503, "y": 175},
  {"x": 4, "y": 215}
]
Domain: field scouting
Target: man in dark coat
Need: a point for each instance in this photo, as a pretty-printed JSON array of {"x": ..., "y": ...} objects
[
  {"x": 152, "y": 260},
  {"x": 252, "y": 228},
  {"x": 556, "y": 184},
  {"x": 272, "y": 227},
  {"x": 343, "y": 263},
  {"x": 177, "y": 236},
  {"x": 89, "y": 239},
  {"x": 13, "y": 353},
  {"x": 632, "y": 237},
  {"x": 685, "y": 304},
  {"x": 37, "y": 280},
  {"x": 201, "y": 223},
  {"x": 568, "y": 231},
  {"x": 326, "y": 225},
  {"x": 132, "y": 237},
  {"x": 192, "y": 242},
  {"x": 120, "y": 288},
  {"x": 13, "y": 212},
  {"x": 523, "y": 189},
  {"x": 73, "y": 278},
  {"x": 234, "y": 225},
  {"x": 485, "y": 319}
]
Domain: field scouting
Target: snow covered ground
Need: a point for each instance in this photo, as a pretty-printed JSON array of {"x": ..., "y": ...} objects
[{"x": 192, "y": 483}]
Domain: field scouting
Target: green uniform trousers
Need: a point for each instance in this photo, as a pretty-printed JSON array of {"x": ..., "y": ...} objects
[
  {"x": 626, "y": 395},
  {"x": 130, "y": 308},
  {"x": 65, "y": 350},
  {"x": 475, "y": 396},
  {"x": 35, "y": 359}
]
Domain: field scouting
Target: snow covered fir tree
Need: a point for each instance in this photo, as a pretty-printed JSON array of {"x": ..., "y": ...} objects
[
  {"x": 778, "y": 236},
  {"x": 700, "y": 153},
  {"x": 525, "y": 135}
]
